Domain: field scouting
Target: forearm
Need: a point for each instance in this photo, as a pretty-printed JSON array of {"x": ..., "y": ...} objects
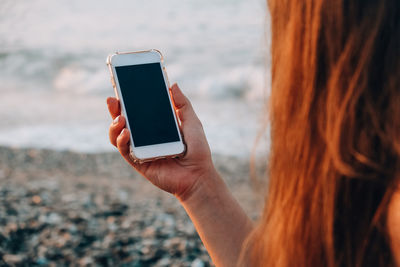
[{"x": 220, "y": 221}]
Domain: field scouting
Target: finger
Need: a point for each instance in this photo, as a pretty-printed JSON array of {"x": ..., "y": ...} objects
[
  {"x": 115, "y": 129},
  {"x": 123, "y": 144},
  {"x": 192, "y": 128},
  {"x": 182, "y": 104},
  {"x": 113, "y": 107}
]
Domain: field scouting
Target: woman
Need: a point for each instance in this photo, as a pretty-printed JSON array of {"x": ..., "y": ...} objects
[{"x": 333, "y": 196}]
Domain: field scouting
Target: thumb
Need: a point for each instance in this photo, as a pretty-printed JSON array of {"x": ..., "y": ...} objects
[{"x": 182, "y": 104}]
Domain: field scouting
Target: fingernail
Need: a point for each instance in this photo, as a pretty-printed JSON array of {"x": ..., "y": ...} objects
[
  {"x": 123, "y": 131},
  {"x": 116, "y": 120}
]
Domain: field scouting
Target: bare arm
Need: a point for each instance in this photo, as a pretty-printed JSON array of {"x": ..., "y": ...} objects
[
  {"x": 218, "y": 218},
  {"x": 220, "y": 221},
  {"x": 393, "y": 224}
]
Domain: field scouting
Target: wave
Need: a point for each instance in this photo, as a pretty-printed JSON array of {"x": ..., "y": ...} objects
[{"x": 86, "y": 74}]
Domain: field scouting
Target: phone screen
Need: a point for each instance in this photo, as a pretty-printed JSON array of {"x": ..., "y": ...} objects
[{"x": 147, "y": 104}]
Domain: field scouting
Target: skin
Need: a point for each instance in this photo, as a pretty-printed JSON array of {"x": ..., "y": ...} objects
[
  {"x": 393, "y": 223},
  {"x": 220, "y": 221}
]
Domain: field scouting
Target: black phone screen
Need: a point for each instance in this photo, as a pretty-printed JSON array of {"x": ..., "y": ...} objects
[{"x": 147, "y": 104}]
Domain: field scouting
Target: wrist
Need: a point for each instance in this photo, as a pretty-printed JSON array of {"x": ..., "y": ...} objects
[
  {"x": 221, "y": 223},
  {"x": 207, "y": 186}
]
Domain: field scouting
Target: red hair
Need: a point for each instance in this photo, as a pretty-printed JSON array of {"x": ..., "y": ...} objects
[{"x": 335, "y": 129}]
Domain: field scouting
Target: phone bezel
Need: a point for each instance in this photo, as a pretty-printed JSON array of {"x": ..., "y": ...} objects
[{"x": 150, "y": 152}]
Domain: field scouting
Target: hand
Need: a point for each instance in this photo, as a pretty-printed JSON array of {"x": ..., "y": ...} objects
[
  {"x": 194, "y": 180},
  {"x": 178, "y": 176}
]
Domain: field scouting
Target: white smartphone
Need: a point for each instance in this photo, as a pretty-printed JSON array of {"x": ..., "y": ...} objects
[{"x": 142, "y": 87}]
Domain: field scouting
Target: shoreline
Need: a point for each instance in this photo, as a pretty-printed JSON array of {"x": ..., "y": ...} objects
[{"x": 33, "y": 159}]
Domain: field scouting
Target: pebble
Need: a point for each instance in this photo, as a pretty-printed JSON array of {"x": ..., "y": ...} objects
[
  {"x": 197, "y": 263},
  {"x": 13, "y": 259},
  {"x": 36, "y": 199}
]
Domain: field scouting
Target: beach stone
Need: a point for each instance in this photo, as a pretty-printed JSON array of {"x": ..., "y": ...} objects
[
  {"x": 53, "y": 218},
  {"x": 54, "y": 253},
  {"x": 13, "y": 258},
  {"x": 149, "y": 232},
  {"x": 36, "y": 199},
  {"x": 197, "y": 263},
  {"x": 164, "y": 262},
  {"x": 188, "y": 229},
  {"x": 42, "y": 261},
  {"x": 85, "y": 261}
]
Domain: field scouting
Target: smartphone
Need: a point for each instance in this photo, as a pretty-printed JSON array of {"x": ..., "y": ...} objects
[{"x": 141, "y": 85}]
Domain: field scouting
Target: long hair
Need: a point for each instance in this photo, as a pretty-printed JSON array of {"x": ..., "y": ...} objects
[{"x": 335, "y": 130}]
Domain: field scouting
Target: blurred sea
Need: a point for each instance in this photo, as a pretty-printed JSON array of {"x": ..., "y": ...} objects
[{"x": 54, "y": 80}]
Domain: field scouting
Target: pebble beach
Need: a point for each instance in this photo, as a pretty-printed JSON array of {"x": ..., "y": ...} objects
[{"x": 61, "y": 208}]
